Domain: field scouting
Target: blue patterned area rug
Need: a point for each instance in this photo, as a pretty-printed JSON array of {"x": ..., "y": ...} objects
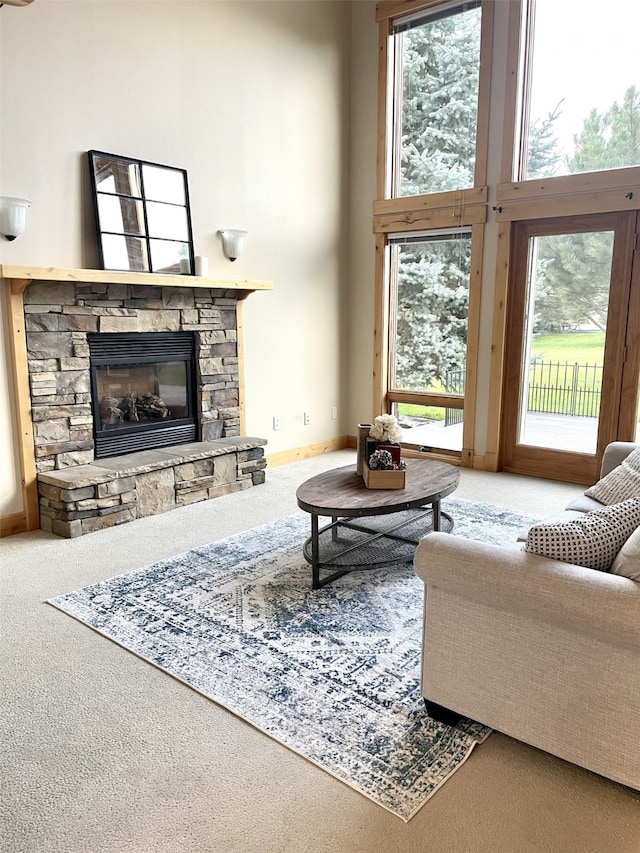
[{"x": 332, "y": 674}]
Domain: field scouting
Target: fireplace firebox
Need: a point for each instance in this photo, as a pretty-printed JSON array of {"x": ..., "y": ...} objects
[{"x": 142, "y": 390}]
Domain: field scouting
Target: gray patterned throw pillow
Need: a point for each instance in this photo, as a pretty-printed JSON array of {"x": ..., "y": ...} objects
[
  {"x": 592, "y": 541},
  {"x": 621, "y": 483}
]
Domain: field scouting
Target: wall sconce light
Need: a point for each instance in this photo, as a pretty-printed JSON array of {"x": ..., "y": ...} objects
[
  {"x": 13, "y": 214},
  {"x": 232, "y": 242}
]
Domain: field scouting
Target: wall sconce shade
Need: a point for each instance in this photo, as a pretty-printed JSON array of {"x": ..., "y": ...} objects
[
  {"x": 13, "y": 214},
  {"x": 232, "y": 242}
]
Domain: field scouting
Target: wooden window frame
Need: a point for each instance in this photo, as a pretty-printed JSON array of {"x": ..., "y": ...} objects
[
  {"x": 458, "y": 208},
  {"x": 577, "y": 467}
]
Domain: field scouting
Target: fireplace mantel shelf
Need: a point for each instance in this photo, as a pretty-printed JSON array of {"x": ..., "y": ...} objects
[{"x": 20, "y": 276}]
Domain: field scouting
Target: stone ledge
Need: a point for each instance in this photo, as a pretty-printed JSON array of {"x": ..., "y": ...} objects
[
  {"x": 104, "y": 470},
  {"x": 85, "y": 498}
]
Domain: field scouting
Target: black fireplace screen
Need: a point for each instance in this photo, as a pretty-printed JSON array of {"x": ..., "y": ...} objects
[{"x": 142, "y": 390}]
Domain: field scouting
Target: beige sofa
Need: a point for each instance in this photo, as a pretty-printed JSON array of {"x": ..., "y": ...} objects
[{"x": 542, "y": 650}]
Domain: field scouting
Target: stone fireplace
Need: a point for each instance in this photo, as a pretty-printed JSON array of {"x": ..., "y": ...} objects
[
  {"x": 59, "y": 318},
  {"x": 119, "y": 433}
]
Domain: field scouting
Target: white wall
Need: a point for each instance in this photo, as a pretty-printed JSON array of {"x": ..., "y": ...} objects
[{"x": 254, "y": 100}]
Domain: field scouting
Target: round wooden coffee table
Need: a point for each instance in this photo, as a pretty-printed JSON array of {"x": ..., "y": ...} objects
[{"x": 373, "y": 540}]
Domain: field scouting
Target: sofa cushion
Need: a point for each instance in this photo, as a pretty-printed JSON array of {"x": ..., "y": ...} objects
[
  {"x": 592, "y": 540},
  {"x": 627, "y": 562},
  {"x": 582, "y": 503},
  {"x": 621, "y": 483}
]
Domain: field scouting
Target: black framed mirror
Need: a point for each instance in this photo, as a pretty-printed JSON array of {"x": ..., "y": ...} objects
[{"x": 143, "y": 219}]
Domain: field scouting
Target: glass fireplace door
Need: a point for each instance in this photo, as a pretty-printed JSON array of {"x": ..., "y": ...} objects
[{"x": 143, "y": 393}]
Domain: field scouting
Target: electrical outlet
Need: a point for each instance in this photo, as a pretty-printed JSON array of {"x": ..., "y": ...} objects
[
  {"x": 334, "y": 413},
  {"x": 276, "y": 424},
  {"x": 307, "y": 418}
]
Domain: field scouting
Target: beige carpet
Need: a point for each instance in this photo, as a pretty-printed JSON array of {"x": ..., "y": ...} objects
[{"x": 103, "y": 753}]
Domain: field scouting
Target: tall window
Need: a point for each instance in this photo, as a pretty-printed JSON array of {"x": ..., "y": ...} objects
[
  {"x": 428, "y": 341},
  {"x": 437, "y": 61},
  {"x": 429, "y": 217},
  {"x": 584, "y": 91}
]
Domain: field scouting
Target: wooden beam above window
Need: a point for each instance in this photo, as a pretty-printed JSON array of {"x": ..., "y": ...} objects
[
  {"x": 428, "y": 219},
  {"x": 569, "y": 195},
  {"x": 397, "y": 8},
  {"x": 457, "y": 198}
]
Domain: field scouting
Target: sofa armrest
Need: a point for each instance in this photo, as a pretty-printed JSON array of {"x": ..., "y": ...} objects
[
  {"x": 586, "y": 601},
  {"x": 614, "y": 454}
]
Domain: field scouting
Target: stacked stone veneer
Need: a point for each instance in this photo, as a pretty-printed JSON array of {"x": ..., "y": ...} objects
[
  {"x": 85, "y": 498},
  {"x": 58, "y": 317}
]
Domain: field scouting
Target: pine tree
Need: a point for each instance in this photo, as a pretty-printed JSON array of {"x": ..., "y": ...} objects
[
  {"x": 440, "y": 104},
  {"x": 543, "y": 156},
  {"x": 572, "y": 286},
  {"x": 439, "y": 116},
  {"x": 609, "y": 140},
  {"x": 433, "y": 302},
  {"x": 578, "y": 270}
]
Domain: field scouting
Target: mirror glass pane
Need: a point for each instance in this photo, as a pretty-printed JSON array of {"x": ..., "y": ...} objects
[
  {"x": 124, "y": 253},
  {"x": 166, "y": 255},
  {"x": 168, "y": 221},
  {"x": 117, "y": 176},
  {"x": 120, "y": 214},
  {"x": 162, "y": 184}
]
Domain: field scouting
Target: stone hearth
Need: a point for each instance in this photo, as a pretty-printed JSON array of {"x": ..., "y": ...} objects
[{"x": 85, "y": 498}]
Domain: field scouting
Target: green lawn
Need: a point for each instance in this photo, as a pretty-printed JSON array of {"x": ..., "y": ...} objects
[
  {"x": 583, "y": 347},
  {"x": 430, "y": 412}
]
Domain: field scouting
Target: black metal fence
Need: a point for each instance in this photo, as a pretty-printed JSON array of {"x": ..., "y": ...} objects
[
  {"x": 564, "y": 388},
  {"x": 555, "y": 388},
  {"x": 454, "y": 384}
]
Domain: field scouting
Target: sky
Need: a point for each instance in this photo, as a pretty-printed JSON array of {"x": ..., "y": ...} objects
[{"x": 586, "y": 53}]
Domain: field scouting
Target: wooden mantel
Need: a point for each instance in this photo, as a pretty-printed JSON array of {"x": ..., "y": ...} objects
[
  {"x": 20, "y": 276},
  {"x": 16, "y": 279}
]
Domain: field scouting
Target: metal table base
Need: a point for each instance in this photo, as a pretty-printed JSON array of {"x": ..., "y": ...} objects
[{"x": 368, "y": 542}]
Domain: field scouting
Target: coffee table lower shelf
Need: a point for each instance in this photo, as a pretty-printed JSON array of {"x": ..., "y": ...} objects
[{"x": 368, "y": 542}]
